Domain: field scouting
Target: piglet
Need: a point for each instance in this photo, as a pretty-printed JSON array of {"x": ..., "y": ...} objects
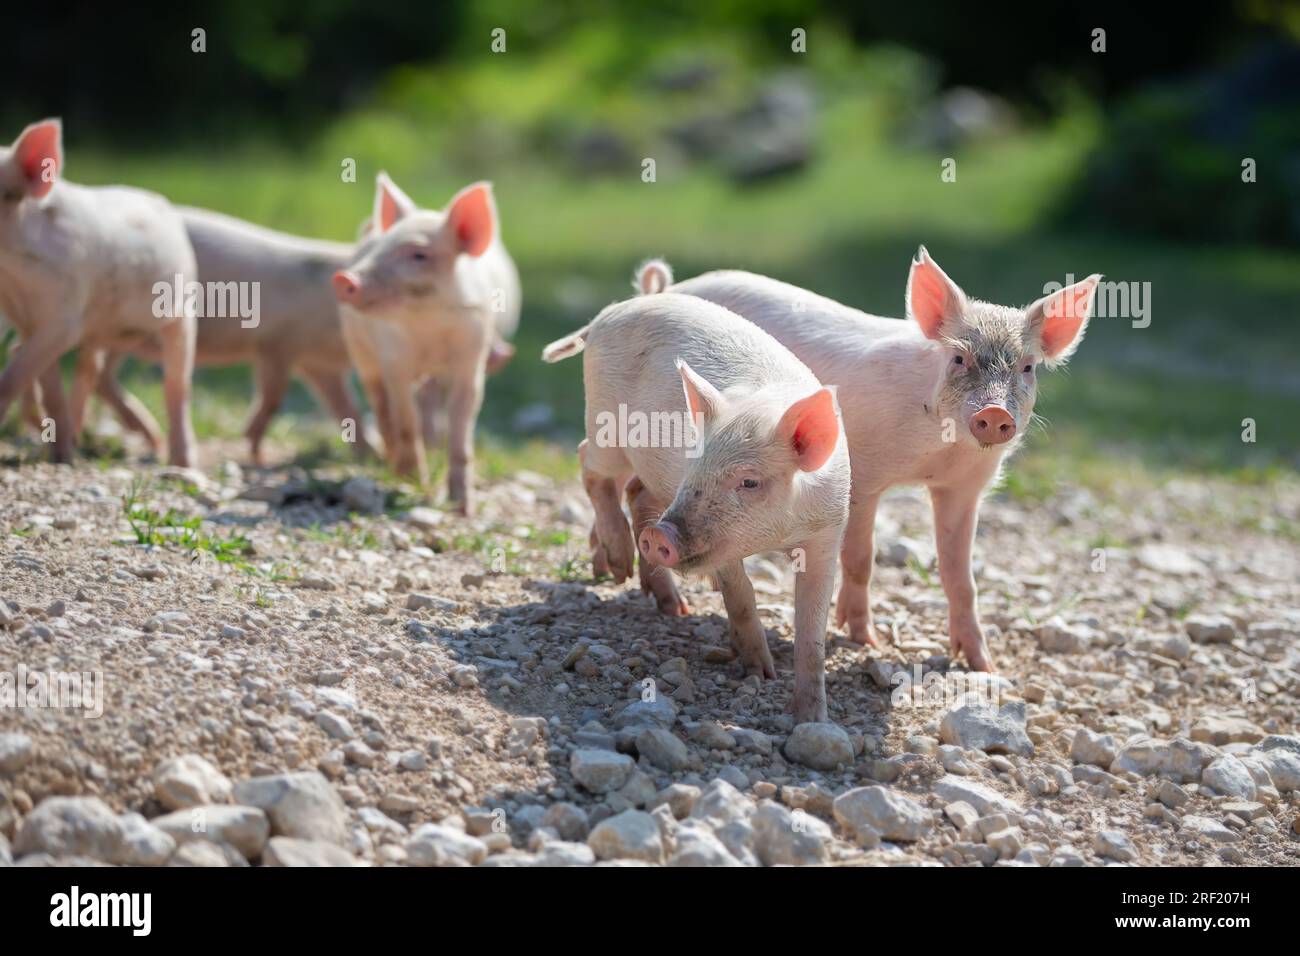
[
  {"x": 939, "y": 399},
  {"x": 296, "y": 331},
  {"x": 736, "y": 449},
  {"x": 419, "y": 302},
  {"x": 89, "y": 267}
]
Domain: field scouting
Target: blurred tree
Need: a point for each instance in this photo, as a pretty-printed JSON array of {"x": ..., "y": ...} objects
[
  {"x": 283, "y": 66},
  {"x": 270, "y": 66}
]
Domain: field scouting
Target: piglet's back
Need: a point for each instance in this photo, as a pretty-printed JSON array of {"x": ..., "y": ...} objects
[{"x": 646, "y": 335}]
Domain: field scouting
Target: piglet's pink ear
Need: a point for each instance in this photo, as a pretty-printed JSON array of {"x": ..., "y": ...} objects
[
  {"x": 702, "y": 399},
  {"x": 1061, "y": 317},
  {"x": 932, "y": 298},
  {"x": 38, "y": 151},
  {"x": 812, "y": 427},
  {"x": 391, "y": 204},
  {"x": 473, "y": 217}
]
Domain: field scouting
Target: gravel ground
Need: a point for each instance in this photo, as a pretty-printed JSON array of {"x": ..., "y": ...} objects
[{"x": 373, "y": 681}]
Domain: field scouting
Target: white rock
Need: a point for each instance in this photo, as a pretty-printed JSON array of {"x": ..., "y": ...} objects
[
  {"x": 207, "y": 854},
  {"x": 632, "y": 834},
  {"x": 961, "y": 813},
  {"x": 16, "y": 750},
  {"x": 698, "y": 846},
  {"x": 883, "y": 811},
  {"x": 433, "y": 844},
  {"x": 1172, "y": 795},
  {"x": 662, "y": 748},
  {"x": 291, "y": 851},
  {"x": 1225, "y": 730},
  {"x": 334, "y": 725},
  {"x": 568, "y": 820},
  {"x": 1177, "y": 647},
  {"x": 1007, "y": 841},
  {"x": 976, "y": 726},
  {"x": 244, "y": 828},
  {"x": 1099, "y": 750},
  {"x": 678, "y": 797},
  {"x": 563, "y": 853},
  {"x": 738, "y": 838},
  {"x": 822, "y": 746},
  {"x": 1169, "y": 559},
  {"x": 1228, "y": 775},
  {"x": 600, "y": 771},
  {"x": 720, "y": 804},
  {"x": 377, "y": 821},
  {"x": 660, "y": 712},
  {"x": 143, "y": 843},
  {"x": 1115, "y": 845},
  {"x": 713, "y": 736},
  {"x": 752, "y": 741},
  {"x": 1207, "y": 828},
  {"x": 87, "y": 827},
  {"x": 1057, "y": 637},
  {"x": 782, "y": 838},
  {"x": 300, "y": 805},
  {"x": 1210, "y": 628},
  {"x": 189, "y": 781},
  {"x": 1180, "y": 760},
  {"x": 1283, "y": 766},
  {"x": 983, "y": 798},
  {"x": 1289, "y": 742}
]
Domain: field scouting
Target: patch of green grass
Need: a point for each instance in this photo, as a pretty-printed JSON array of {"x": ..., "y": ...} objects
[
  {"x": 172, "y": 529},
  {"x": 349, "y": 536},
  {"x": 573, "y": 568},
  {"x": 920, "y": 570}
]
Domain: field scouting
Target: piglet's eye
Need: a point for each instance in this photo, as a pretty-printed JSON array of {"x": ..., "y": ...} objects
[
  {"x": 750, "y": 483},
  {"x": 958, "y": 360},
  {"x": 1029, "y": 368}
]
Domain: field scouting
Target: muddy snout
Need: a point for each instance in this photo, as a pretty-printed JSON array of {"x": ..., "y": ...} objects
[
  {"x": 993, "y": 425},
  {"x": 659, "y": 543}
]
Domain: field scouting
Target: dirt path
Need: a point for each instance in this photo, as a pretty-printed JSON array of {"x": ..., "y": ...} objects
[{"x": 468, "y": 675}]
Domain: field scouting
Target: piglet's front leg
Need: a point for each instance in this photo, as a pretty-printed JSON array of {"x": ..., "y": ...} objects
[
  {"x": 466, "y": 398},
  {"x": 814, "y": 580},
  {"x": 748, "y": 638},
  {"x": 956, "y": 511}
]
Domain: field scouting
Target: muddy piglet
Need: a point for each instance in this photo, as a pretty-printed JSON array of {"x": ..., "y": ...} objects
[{"x": 736, "y": 449}]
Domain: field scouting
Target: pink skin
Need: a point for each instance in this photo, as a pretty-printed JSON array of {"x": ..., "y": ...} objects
[
  {"x": 659, "y": 543},
  {"x": 655, "y": 580},
  {"x": 61, "y": 246},
  {"x": 938, "y": 400},
  {"x": 993, "y": 425},
  {"x": 420, "y": 302},
  {"x": 299, "y": 333},
  {"x": 770, "y": 470}
]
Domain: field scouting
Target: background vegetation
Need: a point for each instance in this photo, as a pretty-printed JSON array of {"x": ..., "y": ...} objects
[{"x": 821, "y": 168}]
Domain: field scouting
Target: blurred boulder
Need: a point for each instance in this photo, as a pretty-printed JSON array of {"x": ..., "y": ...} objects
[
  {"x": 958, "y": 116},
  {"x": 769, "y": 136}
]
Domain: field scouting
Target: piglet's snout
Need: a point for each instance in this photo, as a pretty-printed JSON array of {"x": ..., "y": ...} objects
[
  {"x": 347, "y": 286},
  {"x": 658, "y": 543},
  {"x": 993, "y": 425}
]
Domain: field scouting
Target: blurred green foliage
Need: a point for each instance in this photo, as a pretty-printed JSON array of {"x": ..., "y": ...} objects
[{"x": 1073, "y": 183}]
